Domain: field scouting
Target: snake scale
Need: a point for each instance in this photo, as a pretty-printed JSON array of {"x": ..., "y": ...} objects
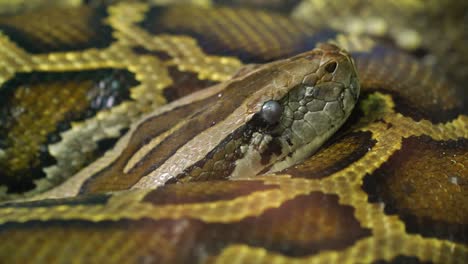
[{"x": 182, "y": 131}]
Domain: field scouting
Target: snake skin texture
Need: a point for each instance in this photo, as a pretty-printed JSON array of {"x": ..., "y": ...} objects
[{"x": 391, "y": 186}]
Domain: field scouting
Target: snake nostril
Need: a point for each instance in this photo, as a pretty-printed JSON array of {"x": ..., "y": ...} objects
[{"x": 331, "y": 67}]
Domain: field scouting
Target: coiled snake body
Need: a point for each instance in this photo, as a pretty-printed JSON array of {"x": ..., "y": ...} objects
[{"x": 134, "y": 132}]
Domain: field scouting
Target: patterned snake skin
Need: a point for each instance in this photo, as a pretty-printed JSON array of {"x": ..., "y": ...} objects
[{"x": 391, "y": 186}]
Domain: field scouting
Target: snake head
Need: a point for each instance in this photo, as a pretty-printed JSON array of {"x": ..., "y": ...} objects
[
  {"x": 263, "y": 120},
  {"x": 315, "y": 93}
]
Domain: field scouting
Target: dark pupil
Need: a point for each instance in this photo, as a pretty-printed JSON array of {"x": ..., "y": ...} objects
[{"x": 331, "y": 67}]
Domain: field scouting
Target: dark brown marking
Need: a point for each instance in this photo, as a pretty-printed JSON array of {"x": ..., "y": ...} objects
[
  {"x": 283, "y": 6},
  {"x": 203, "y": 114},
  {"x": 274, "y": 148},
  {"x": 201, "y": 192},
  {"x": 336, "y": 155},
  {"x": 426, "y": 184},
  {"x": 36, "y": 107},
  {"x": 300, "y": 227},
  {"x": 221, "y": 31},
  {"x": 419, "y": 91},
  {"x": 58, "y": 29},
  {"x": 403, "y": 260},
  {"x": 219, "y": 163},
  {"x": 140, "y": 241},
  {"x": 184, "y": 83},
  {"x": 99, "y": 199},
  {"x": 112, "y": 177},
  {"x": 162, "y": 55}
]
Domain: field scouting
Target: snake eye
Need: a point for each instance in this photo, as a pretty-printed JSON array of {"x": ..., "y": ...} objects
[{"x": 271, "y": 112}]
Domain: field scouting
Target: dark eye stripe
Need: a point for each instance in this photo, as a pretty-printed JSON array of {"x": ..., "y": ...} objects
[
  {"x": 209, "y": 109},
  {"x": 103, "y": 180}
]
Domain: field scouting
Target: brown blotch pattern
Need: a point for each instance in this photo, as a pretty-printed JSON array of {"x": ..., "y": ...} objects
[
  {"x": 85, "y": 200},
  {"x": 426, "y": 184},
  {"x": 163, "y": 241},
  {"x": 184, "y": 83},
  {"x": 337, "y": 155},
  {"x": 402, "y": 260},
  {"x": 204, "y": 192},
  {"x": 58, "y": 29},
  {"x": 419, "y": 91},
  {"x": 282, "y": 6},
  {"x": 251, "y": 35},
  {"x": 299, "y": 227},
  {"x": 36, "y": 107}
]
